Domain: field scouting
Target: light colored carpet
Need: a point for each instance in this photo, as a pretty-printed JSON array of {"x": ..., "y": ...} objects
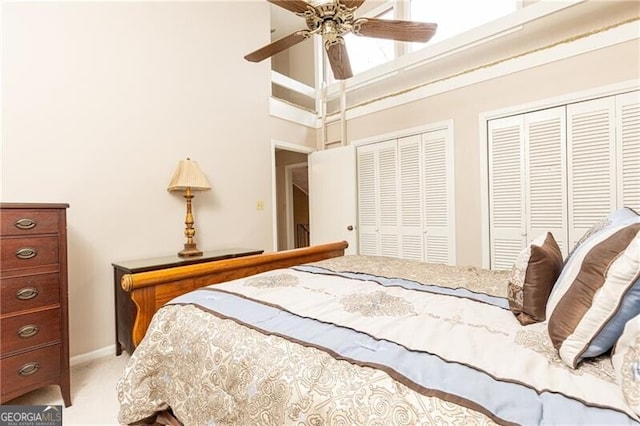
[{"x": 94, "y": 400}]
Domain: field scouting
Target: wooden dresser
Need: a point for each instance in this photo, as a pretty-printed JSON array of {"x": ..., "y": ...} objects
[{"x": 34, "y": 339}]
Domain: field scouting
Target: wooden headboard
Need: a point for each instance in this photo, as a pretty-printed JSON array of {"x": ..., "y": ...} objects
[{"x": 150, "y": 290}]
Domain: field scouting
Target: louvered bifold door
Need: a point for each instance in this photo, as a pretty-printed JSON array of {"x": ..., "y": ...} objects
[
  {"x": 368, "y": 241},
  {"x": 388, "y": 220},
  {"x": 437, "y": 197},
  {"x": 628, "y": 140},
  {"x": 546, "y": 175},
  {"x": 411, "y": 241},
  {"x": 506, "y": 190},
  {"x": 591, "y": 164}
]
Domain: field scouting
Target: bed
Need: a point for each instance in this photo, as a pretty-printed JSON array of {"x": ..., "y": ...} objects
[{"x": 315, "y": 337}]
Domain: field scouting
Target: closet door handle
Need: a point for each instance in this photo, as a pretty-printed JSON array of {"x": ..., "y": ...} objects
[
  {"x": 26, "y": 293},
  {"x": 26, "y": 253},
  {"x": 29, "y": 369}
]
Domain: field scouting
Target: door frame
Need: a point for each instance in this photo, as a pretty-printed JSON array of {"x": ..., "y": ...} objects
[{"x": 286, "y": 146}]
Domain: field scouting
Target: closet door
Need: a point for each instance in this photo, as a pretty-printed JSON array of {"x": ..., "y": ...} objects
[
  {"x": 368, "y": 241},
  {"x": 387, "y": 165},
  {"x": 506, "y": 190},
  {"x": 546, "y": 175},
  {"x": 411, "y": 229},
  {"x": 438, "y": 200},
  {"x": 591, "y": 158},
  {"x": 628, "y": 140},
  {"x": 378, "y": 220},
  {"x": 406, "y": 198}
]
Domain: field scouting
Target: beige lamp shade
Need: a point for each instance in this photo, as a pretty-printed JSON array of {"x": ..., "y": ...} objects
[{"x": 188, "y": 175}]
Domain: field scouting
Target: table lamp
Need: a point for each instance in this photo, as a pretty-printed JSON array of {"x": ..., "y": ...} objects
[{"x": 188, "y": 177}]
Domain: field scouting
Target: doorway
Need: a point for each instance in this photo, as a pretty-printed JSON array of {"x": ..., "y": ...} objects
[
  {"x": 297, "y": 205},
  {"x": 290, "y": 195}
]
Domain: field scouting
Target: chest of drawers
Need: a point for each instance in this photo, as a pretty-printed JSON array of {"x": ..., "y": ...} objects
[{"x": 34, "y": 336}]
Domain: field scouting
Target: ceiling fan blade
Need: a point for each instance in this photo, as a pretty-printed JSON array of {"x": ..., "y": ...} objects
[
  {"x": 275, "y": 47},
  {"x": 396, "y": 30},
  {"x": 339, "y": 60},
  {"x": 295, "y": 6},
  {"x": 352, "y": 3}
]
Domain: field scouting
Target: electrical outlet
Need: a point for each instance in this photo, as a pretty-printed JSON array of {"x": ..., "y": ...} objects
[{"x": 259, "y": 205}]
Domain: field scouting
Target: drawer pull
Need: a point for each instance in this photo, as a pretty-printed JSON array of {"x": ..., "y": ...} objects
[
  {"x": 29, "y": 369},
  {"x": 26, "y": 253},
  {"x": 27, "y": 331},
  {"x": 25, "y": 223},
  {"x": 27, "y": 293}
]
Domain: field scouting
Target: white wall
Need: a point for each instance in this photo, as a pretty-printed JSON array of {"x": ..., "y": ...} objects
[{"x": 101, "y": 100}]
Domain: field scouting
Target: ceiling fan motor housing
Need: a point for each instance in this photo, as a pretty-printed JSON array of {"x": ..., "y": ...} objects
[{"x": 329, "y": 18}]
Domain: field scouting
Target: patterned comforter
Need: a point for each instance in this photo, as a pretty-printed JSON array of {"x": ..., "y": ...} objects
[{"x": 360, "y": 340}]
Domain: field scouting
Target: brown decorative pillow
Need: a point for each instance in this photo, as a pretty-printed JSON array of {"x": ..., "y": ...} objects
[{"x": 532, "y": 277}]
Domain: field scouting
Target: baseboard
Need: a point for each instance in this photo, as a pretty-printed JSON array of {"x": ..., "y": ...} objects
[{"x": 91, "y": 356}]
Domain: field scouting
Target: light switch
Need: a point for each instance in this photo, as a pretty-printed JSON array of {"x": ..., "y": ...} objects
[{"x": 259, "y": 205}]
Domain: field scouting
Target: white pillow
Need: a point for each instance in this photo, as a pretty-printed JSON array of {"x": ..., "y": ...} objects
[{"x": 626, "y": 363}]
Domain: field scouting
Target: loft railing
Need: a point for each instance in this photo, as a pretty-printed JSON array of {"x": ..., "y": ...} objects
[{"x": 293, "y": 92}]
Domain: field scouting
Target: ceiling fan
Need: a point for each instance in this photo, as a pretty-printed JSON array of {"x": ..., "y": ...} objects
[{"x": 332, "y": 19}]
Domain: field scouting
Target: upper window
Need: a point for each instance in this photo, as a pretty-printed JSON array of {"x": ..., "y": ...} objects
[
  {"x": 452, "y": 16},
  {"x": 457, "y": 16},
  {"x": 367, "y": 52}
]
